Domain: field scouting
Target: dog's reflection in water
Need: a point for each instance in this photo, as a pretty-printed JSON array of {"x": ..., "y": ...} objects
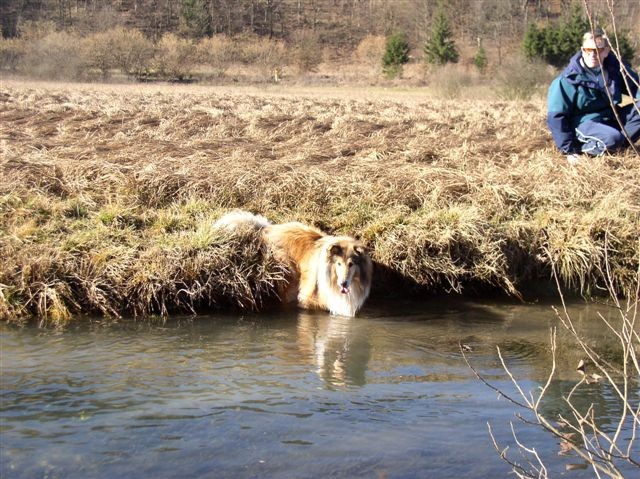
[{"x": 338, "y": 346}]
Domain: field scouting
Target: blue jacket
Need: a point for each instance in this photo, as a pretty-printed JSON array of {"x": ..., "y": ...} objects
[{"x": 577, "y": 95}]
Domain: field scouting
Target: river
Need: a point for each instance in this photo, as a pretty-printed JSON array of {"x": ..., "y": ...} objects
[{"x": 289, "y": 394}]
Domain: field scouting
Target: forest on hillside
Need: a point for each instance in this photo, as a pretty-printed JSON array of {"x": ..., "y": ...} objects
[
  {"x": 338, "y": 23},
  {"x": 307, "y": 40}
]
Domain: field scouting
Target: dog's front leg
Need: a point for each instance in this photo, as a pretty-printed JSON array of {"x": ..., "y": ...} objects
[{"x": 308, "y": 290}]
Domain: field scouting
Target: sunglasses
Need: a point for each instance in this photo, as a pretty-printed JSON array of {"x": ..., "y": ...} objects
[{"x": 593, "y": 50}]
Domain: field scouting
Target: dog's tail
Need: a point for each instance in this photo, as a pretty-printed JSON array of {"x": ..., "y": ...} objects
[{"x": 241, "y": 219}]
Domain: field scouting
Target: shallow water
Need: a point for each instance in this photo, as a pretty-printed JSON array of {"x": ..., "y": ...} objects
[{"x": 286, "y": 394}]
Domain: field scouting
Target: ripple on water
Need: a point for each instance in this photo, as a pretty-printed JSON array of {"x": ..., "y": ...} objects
[{"x": 320, "y": 395}]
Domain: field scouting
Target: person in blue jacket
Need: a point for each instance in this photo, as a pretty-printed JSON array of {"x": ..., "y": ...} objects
[{"x": 580, "y": 115}]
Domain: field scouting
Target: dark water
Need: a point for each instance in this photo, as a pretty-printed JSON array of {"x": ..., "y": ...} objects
[{"x": 286, "y": 395}]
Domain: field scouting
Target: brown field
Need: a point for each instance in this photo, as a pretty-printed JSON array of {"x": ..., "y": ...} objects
[{"x": 108, "y": 194}]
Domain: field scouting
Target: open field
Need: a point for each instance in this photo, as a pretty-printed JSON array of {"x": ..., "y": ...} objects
[{"x": 108, "y": 194}]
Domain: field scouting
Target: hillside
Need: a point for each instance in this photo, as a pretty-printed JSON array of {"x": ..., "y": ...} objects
[{"x": 340, "y": 23}]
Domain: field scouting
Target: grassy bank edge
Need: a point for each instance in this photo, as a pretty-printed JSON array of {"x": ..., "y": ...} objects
[{"x": 107, "y": 200}]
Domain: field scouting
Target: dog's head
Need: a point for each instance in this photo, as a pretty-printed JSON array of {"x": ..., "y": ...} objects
[{"x": 350, "y": 265}]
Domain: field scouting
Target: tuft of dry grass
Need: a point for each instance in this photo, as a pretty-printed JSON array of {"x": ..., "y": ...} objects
[{"x": 107, "y": 195}]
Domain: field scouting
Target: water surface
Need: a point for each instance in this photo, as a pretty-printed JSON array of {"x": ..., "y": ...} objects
[{"x": 285, "y": 394}]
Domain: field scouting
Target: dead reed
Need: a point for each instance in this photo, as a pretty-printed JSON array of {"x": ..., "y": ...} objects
[{"x": 107, "y": 196}]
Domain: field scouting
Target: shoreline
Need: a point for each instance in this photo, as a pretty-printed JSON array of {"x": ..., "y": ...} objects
[{"x": 108, "y": 196}]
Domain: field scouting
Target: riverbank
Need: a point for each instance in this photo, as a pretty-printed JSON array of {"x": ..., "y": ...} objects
[{"x": 108, "y": 195}]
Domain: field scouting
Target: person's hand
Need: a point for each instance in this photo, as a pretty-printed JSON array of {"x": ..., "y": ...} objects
[{"x": 574, "y": 159}]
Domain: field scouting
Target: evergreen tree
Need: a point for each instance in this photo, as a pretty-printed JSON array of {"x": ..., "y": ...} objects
[
  {"x": 557, "y": 43},
  {"x": 533, "y": 42},
  {"x": 551, "y": 51},
  {"x": 568, "y": 37},
  {"x": 480, "y": 58},
  {"x": 627, "y": 51},
  {"x": 440, "y": 48},
  {"x": 396, "y": 54}
]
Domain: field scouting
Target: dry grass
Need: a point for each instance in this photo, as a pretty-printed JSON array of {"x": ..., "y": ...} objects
[{"x": 107, "y": 194}]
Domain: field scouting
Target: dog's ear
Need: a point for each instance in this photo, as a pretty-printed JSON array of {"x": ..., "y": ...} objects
[
  {"x": 335, "y": 250},
  {"x": 360, "y": 250}
]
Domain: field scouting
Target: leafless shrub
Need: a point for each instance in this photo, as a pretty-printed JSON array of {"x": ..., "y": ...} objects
[
  {"x": 99, "y": 53},
  {"x": 217, "y": 52},
  {"x": 132, "y": 51},
  {"x": 448, "y": 81},
  {"x": 370, "y": 51},
  {"x": 11, "y": 53},
  {"x": 269, "y": 56},
  {"x": 519, "y": 79},
  {"x": 307, "y": 50},
  {"x": 607, "y": 450},
  {"x": 55, "y": 55},
  {"x": 175, "y": 57}
]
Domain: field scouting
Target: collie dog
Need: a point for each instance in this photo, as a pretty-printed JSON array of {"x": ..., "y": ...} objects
[{"x": 327, "y": 272}]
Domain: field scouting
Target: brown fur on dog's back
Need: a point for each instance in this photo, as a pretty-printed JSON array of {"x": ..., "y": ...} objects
[
  {"x": 293, "y": 240},
  {"x": 292, "y": 243}
]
